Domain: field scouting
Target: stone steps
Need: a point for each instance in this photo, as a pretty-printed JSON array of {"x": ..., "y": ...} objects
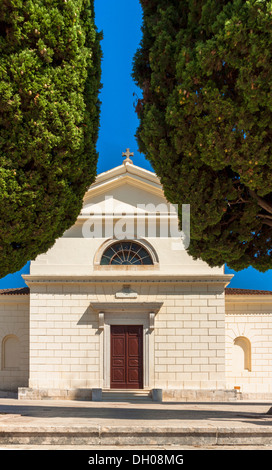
[
  {"x": 197, "y": 434},
  {"x": 120, "y": 395}
]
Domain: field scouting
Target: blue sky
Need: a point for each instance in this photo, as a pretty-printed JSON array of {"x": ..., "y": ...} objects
[{"x": 120, "y": 21}]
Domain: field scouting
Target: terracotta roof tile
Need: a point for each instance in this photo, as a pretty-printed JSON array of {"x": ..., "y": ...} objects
[
  {"x": 16, "y": 291},
  {"x": 237, "y": 291}
]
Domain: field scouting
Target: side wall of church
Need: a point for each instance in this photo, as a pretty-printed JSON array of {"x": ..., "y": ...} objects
[
  {"x": 249, "y": 345},
  {"x": 14, "y": 342}
]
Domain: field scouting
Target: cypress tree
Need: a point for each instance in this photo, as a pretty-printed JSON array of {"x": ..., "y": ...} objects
[
  {"x": 205, "y": 71},
  {"x": 49, "y": 117}
]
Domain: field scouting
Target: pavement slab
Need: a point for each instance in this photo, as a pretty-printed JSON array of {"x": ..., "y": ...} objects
[{"x": 62, "y": 423}]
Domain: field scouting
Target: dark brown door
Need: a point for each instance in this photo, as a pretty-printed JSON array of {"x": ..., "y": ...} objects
[{"x": 126, "y": 356}]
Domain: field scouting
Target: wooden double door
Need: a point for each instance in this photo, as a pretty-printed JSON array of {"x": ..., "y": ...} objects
[{"x": 126, "y": 356}]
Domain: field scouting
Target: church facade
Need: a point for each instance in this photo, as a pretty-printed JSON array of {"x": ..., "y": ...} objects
[{"x": 118, "y": 304}]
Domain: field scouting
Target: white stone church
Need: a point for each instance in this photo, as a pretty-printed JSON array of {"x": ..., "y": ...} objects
[{"x": 118, "y": 305}]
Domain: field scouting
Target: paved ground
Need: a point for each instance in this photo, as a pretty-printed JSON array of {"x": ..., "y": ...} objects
[
  {"x": 48, "y": 413},
  {"x": 90, "y": 425},
  {"x": 133, "y": 449}
]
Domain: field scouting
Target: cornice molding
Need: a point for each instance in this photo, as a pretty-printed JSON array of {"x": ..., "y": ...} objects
[
  {"x": 136, "y": 277},
  {"x": 247, "y": 313},
  {"x": 105, "y": 307},
  {"x": 249, "y": 299}
]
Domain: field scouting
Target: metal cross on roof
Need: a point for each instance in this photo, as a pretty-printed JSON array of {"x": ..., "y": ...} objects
[{"x": 128, "y": 154}]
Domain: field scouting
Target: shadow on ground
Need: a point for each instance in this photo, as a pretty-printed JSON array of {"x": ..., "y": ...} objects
[{"x": 164, "y": 412}]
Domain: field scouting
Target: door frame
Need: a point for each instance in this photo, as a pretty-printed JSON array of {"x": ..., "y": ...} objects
[
  {"x": 141, "y": 319},
  {"x": 140, "y": 357}
]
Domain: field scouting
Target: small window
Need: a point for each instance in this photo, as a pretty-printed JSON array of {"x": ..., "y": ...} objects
[{"x": 126, "y": 253}]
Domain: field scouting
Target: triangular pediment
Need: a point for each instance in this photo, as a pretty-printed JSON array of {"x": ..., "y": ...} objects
[{"x": 126, "y": 188}]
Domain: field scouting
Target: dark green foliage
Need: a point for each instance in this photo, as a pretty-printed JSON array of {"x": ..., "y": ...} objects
[
  {"x": 49, "y": 117},
  {"x": 205, "y": 69}
]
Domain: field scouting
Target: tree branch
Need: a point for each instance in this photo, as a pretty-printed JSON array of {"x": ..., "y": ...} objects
[
  {"x": 264, "y": 216},
  {"x": 267, "y": 222},
  {"x": 262, "y": 202}
]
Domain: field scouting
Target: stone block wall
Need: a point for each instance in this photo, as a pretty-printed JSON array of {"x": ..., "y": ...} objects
[
  {"x": 64, "y": 338},
  {"x": 189, "y": 348},
  {"x": 190, "y": 337},
  {"x": 184, "y": 351},
  {"x": 249, "y": 345},
  {"x": 14, "y": 342}
]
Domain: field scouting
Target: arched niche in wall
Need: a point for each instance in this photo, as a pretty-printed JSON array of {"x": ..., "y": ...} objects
[
  {"x": 241, "y": 354},
  {"x": 10, "y": 353}
]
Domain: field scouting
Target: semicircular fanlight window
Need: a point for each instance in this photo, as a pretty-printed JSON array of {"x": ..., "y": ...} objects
[{"x": 126, "y": 253}]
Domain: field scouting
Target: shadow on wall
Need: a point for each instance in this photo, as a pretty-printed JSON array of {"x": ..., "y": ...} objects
[{"x": 90, "y": 318}]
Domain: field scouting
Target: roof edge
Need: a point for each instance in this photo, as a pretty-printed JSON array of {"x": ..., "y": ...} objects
[
  {"x": 240, "y": 291},
  {"x": 15, "y": 291}
]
